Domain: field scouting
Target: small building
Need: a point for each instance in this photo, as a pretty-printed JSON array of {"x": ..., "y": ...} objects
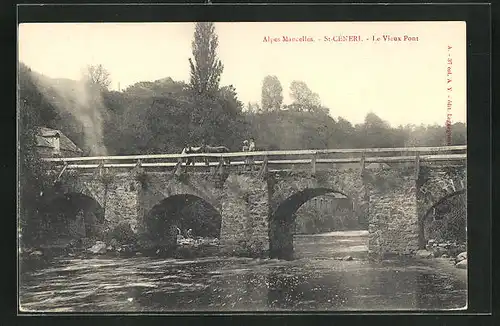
[{"x": 53, "y": 143}]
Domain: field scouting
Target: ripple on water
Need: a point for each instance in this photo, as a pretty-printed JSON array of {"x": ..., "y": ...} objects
[
  {"x": 178, "y": 287},
  {"x": 240, "y": 284},
  {"x": 143, "y": 285}
]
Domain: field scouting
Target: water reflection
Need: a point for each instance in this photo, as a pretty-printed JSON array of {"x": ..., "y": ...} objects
[{"x": 240, "y": 284}]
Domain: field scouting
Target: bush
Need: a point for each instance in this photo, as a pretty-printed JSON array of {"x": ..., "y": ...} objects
[{"x": 123, "y": 234}]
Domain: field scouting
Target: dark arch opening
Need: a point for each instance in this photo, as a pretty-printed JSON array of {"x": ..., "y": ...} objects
[
  {"x": 440, "y": 201},
  {"x": 446, "y": 219},
  {"x": 68, "y": 217},
  {"x": 181, "y": 213},
  {"x": 282, "y": 224}
]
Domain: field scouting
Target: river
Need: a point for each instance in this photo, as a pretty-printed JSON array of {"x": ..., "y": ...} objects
[{"x": 316, "y": 280}]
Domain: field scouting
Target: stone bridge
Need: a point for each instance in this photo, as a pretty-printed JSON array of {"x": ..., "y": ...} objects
[{"x": 257, "y": 209}]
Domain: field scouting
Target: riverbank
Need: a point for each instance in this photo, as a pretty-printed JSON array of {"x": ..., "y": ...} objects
[
  {"x": 100, "y": 248},
  {"x": 338, "y": 245},
  {"x": 451, "y": 253},
  {"x": 446, "y": 265}
]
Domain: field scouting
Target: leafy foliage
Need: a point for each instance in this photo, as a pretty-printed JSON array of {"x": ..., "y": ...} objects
[
  {"x": 253, "y": 108},
  {"x": 98, "y": 75},
  {"x": 206, "y": 69},
  {"x": 34, "y": 110},
  {"x": 311, "y": 218},
  {"x": 303, "y": 98},
  {"x": 272, "y": 94}
]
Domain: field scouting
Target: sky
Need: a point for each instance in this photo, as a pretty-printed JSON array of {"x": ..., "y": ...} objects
[{"x": 403, "y": 82}]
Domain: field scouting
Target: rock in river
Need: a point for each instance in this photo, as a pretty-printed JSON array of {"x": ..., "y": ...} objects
[
  {"x": 424, "y": 254},
  {"x": 462, "y": 264},
  {"x": 98, "y": 248},
  {"x": 462, "y": 256}
]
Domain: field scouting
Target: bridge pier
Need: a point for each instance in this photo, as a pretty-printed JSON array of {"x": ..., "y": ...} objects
[
  {"x": 122, "y": 203},
  {"x": 245, "y": 226},
  {"x": 393, "y": 220}
]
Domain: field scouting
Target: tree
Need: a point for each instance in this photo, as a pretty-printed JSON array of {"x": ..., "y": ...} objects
[
  {"x": 375, "y": 132},
  {"x": 98, "y": 75},
  {"x": 31, "y": 94},
  {"x": 34, "y": 111},
  {"x": 374, "y": 122},
  {"x": 343, "y": 135},
  {"x": 229, "y": 99},
  {"x": 272, "y": 94},
  {"x": 206, "y": 69},
  {"x": 161, "y": 87},
  {"x": 304, "y": 98},
  {"x": 458, "y": 133},
  {"x": 215, "y": 115},
  {"x": 140, "y": 89},
  {"x": 253, "y": 108}
]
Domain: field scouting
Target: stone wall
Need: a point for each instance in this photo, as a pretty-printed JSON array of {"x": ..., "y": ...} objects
[
  {"x": 159, "y": 186},
  {"x": 122, "y": 202}
]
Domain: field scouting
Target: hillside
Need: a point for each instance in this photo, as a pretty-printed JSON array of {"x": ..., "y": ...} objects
[{"x": 162, "y": 115}]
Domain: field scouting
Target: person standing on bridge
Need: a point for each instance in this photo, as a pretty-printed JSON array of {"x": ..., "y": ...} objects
[
  {"x": 251, "y": 148},
  {"x": 187, "y": 150},
  {"x": 245, "y": 149}
]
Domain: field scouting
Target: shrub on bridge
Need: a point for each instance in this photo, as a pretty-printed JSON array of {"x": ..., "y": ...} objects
[
  {"x": 106, "y": 178},
  {"x": 141, "y": 176}
]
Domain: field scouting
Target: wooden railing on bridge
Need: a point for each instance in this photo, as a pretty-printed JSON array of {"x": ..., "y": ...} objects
[{"x": 283, "y": 157}]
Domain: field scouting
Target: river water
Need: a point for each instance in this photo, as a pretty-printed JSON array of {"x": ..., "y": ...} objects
[{"x": 316, "y": 280}]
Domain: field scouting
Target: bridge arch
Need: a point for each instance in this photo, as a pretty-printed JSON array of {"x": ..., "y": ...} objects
[
  {"x": 282, "y": 219},
  {"x": 160, "y": 187},
  {"x": 446, "y": 218},
  {"x": 86, "y": 185},
  {"x": 348, "y": 182},
  {"x": 442, "y": 200},
  {"x": 438, "y": 185},
  {"x": 72, "y": 215},
  {"x": 182, "y": 212}
]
